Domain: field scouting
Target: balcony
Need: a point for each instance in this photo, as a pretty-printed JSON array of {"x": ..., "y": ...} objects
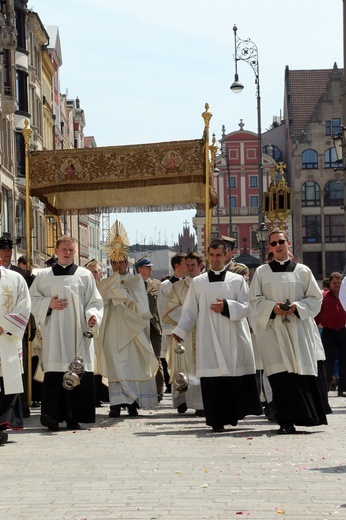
[{"x": 243, "y": 211}]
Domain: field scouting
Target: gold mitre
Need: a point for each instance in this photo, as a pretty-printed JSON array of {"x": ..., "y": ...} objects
[{"x": 117, "y": 244}]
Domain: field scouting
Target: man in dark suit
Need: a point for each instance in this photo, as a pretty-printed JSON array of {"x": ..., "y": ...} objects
[
  {"x": 6, "y": 247},
  {"x": 230, "y": 265},
  {"x": 145, "y": 268}
]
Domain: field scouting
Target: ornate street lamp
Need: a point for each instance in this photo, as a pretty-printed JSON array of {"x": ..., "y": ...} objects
[
  {"x": 247, "y": 51},
  {"x": 262, "y": 233}
]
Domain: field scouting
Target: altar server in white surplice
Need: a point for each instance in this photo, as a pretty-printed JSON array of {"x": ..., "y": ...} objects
[
  {"x": 124, "y": 353},
  {"x": 186, "y": 361},
  {"x": 66, "y": 303},
  {"x": 14, "y": 315},
  {"x": 284, "y": 299},
  {"x": 217, "y": 302}
]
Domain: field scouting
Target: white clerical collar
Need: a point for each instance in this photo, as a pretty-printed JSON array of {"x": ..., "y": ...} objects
[
  {"x": 218, "y": 272},
  {"x": 64, "y": 266},
  {"x": 282, "y": 263}
]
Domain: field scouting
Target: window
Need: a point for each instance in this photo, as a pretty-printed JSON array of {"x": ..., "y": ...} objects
[
  {"x": 22, "y": 91},
  {"x": 309, "y": 159},
  {"x": 254, "y": 241},
  {"x": 253, "y": 201},
  {"x": 6, "y": 71},
  {"x": 273, "y": 151},
  {"x": 330, "y": 158},
  {"x": 20, "y": 154},
  {"x": 311, "y": 229},
  {"x": 335, "y": 261},
  {"x": 21, "y": 221},
  {"x": 333, "y": 127},
  {"x": 232, "y": 182},
  {"x": 5, "y": 221},
  {"x": 233, "y": 202},
  {"x": 253, "y": 181},
  {"x": 334, "y": 228},
  {"x": 334, "y": 193},
  {"x": 311, "y": 195},
  {"x": 314, "y": 261}
]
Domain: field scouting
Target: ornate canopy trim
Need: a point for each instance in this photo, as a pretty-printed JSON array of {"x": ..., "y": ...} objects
[{"x": 144, "y": 177}]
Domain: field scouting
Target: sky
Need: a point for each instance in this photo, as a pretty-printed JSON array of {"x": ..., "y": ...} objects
[{"x": 143, "y": 70}]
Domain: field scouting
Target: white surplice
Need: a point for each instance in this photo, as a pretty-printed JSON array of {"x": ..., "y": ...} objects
[
  {"x": 293, "y": 346},
  {"x": 124, "y": 353},
  {"x": 186, "y": 361},
  {"x": 15, "y": 308},
  {"x": 62, "y": 330},
  {"x": 224, "y": 345}
]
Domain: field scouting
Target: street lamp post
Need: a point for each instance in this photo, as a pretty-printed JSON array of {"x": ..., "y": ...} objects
[
  {"x": 247, "y": 51},
  {"x": 262, "y": 235},
  {"x": 217, "y": 208},
  {"x": 224, "y": 153}
]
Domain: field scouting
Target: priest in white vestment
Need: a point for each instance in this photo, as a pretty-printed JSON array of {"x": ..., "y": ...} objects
[
  {"x": 15, "y": 308},
  {"x": 185, "y": 362},
  {"x": 124, "y": 353},
  {"x": 217, "y": 302},
  {"x": 287, "y": 337},
  {"x": 179, "y": 272},
  {"x": 66, "y": 303}
]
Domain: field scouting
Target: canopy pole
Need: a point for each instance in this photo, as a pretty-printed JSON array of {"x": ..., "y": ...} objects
[
  {"x": 207, "y": 232},
  {"x": 26, "y": 131}
]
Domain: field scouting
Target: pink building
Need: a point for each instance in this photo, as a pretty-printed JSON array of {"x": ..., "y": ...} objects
[{"x": 236, "y": 179}]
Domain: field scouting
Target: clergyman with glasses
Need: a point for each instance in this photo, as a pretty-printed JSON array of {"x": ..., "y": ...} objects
[{"x": 284, "y": 299}]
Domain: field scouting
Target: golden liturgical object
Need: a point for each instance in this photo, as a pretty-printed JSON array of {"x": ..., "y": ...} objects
[
  {"x": 277, "y": 201},
  {"x": 117, "y": 244}
]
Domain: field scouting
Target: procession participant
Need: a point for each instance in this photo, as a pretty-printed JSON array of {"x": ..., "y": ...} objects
[
  {"x": 144, "y": 267},
  {"x": 230, "y": 264},
  {"x": 101, "y": 384},
  {"x": 6, "y": 250},
  {"x": 36, "y": 386},
  {"x": 174, "y": 303},
  {"x": 124, "y": 353},
  {"x": 96, "y": 269},
  {"x": 332, "y": 319},
  {"x": 284, "y": 298},
  {"x": 14, "y": 315},
  {"x": 179, "y": 272},
  {"x": 66, "y": 303},
  {"x": 217, "y": 302}
]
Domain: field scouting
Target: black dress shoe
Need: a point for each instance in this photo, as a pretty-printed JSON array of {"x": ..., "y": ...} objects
[
  {"x": 182, "y": 408},
  {"x": 132, "y": 410},
  {"x": 3, "y": 437},
  {"x": 73, "y": 426},
  {"x": 159, "y": 397},
  {"x": 341, "y": 394},
  {"x": 200, "y": 413},
  {"x": 49, "y": 422},
  {"x": 218, "y": 429},
  {"x": 287, "y": 430},
  {"x": 35, "y": 404},
  {"x": 26, "y": 413},
  {"x": 115, "y": 411}
]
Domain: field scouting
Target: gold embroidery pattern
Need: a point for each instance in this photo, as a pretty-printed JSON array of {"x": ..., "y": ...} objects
[{"x": 8, "y": 300}]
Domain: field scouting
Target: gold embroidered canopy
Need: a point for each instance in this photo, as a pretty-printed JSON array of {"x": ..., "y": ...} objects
[{"x": 144, "y": 177}]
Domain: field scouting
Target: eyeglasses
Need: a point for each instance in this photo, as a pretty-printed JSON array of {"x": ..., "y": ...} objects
[{"x": 275, "y": 243}]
